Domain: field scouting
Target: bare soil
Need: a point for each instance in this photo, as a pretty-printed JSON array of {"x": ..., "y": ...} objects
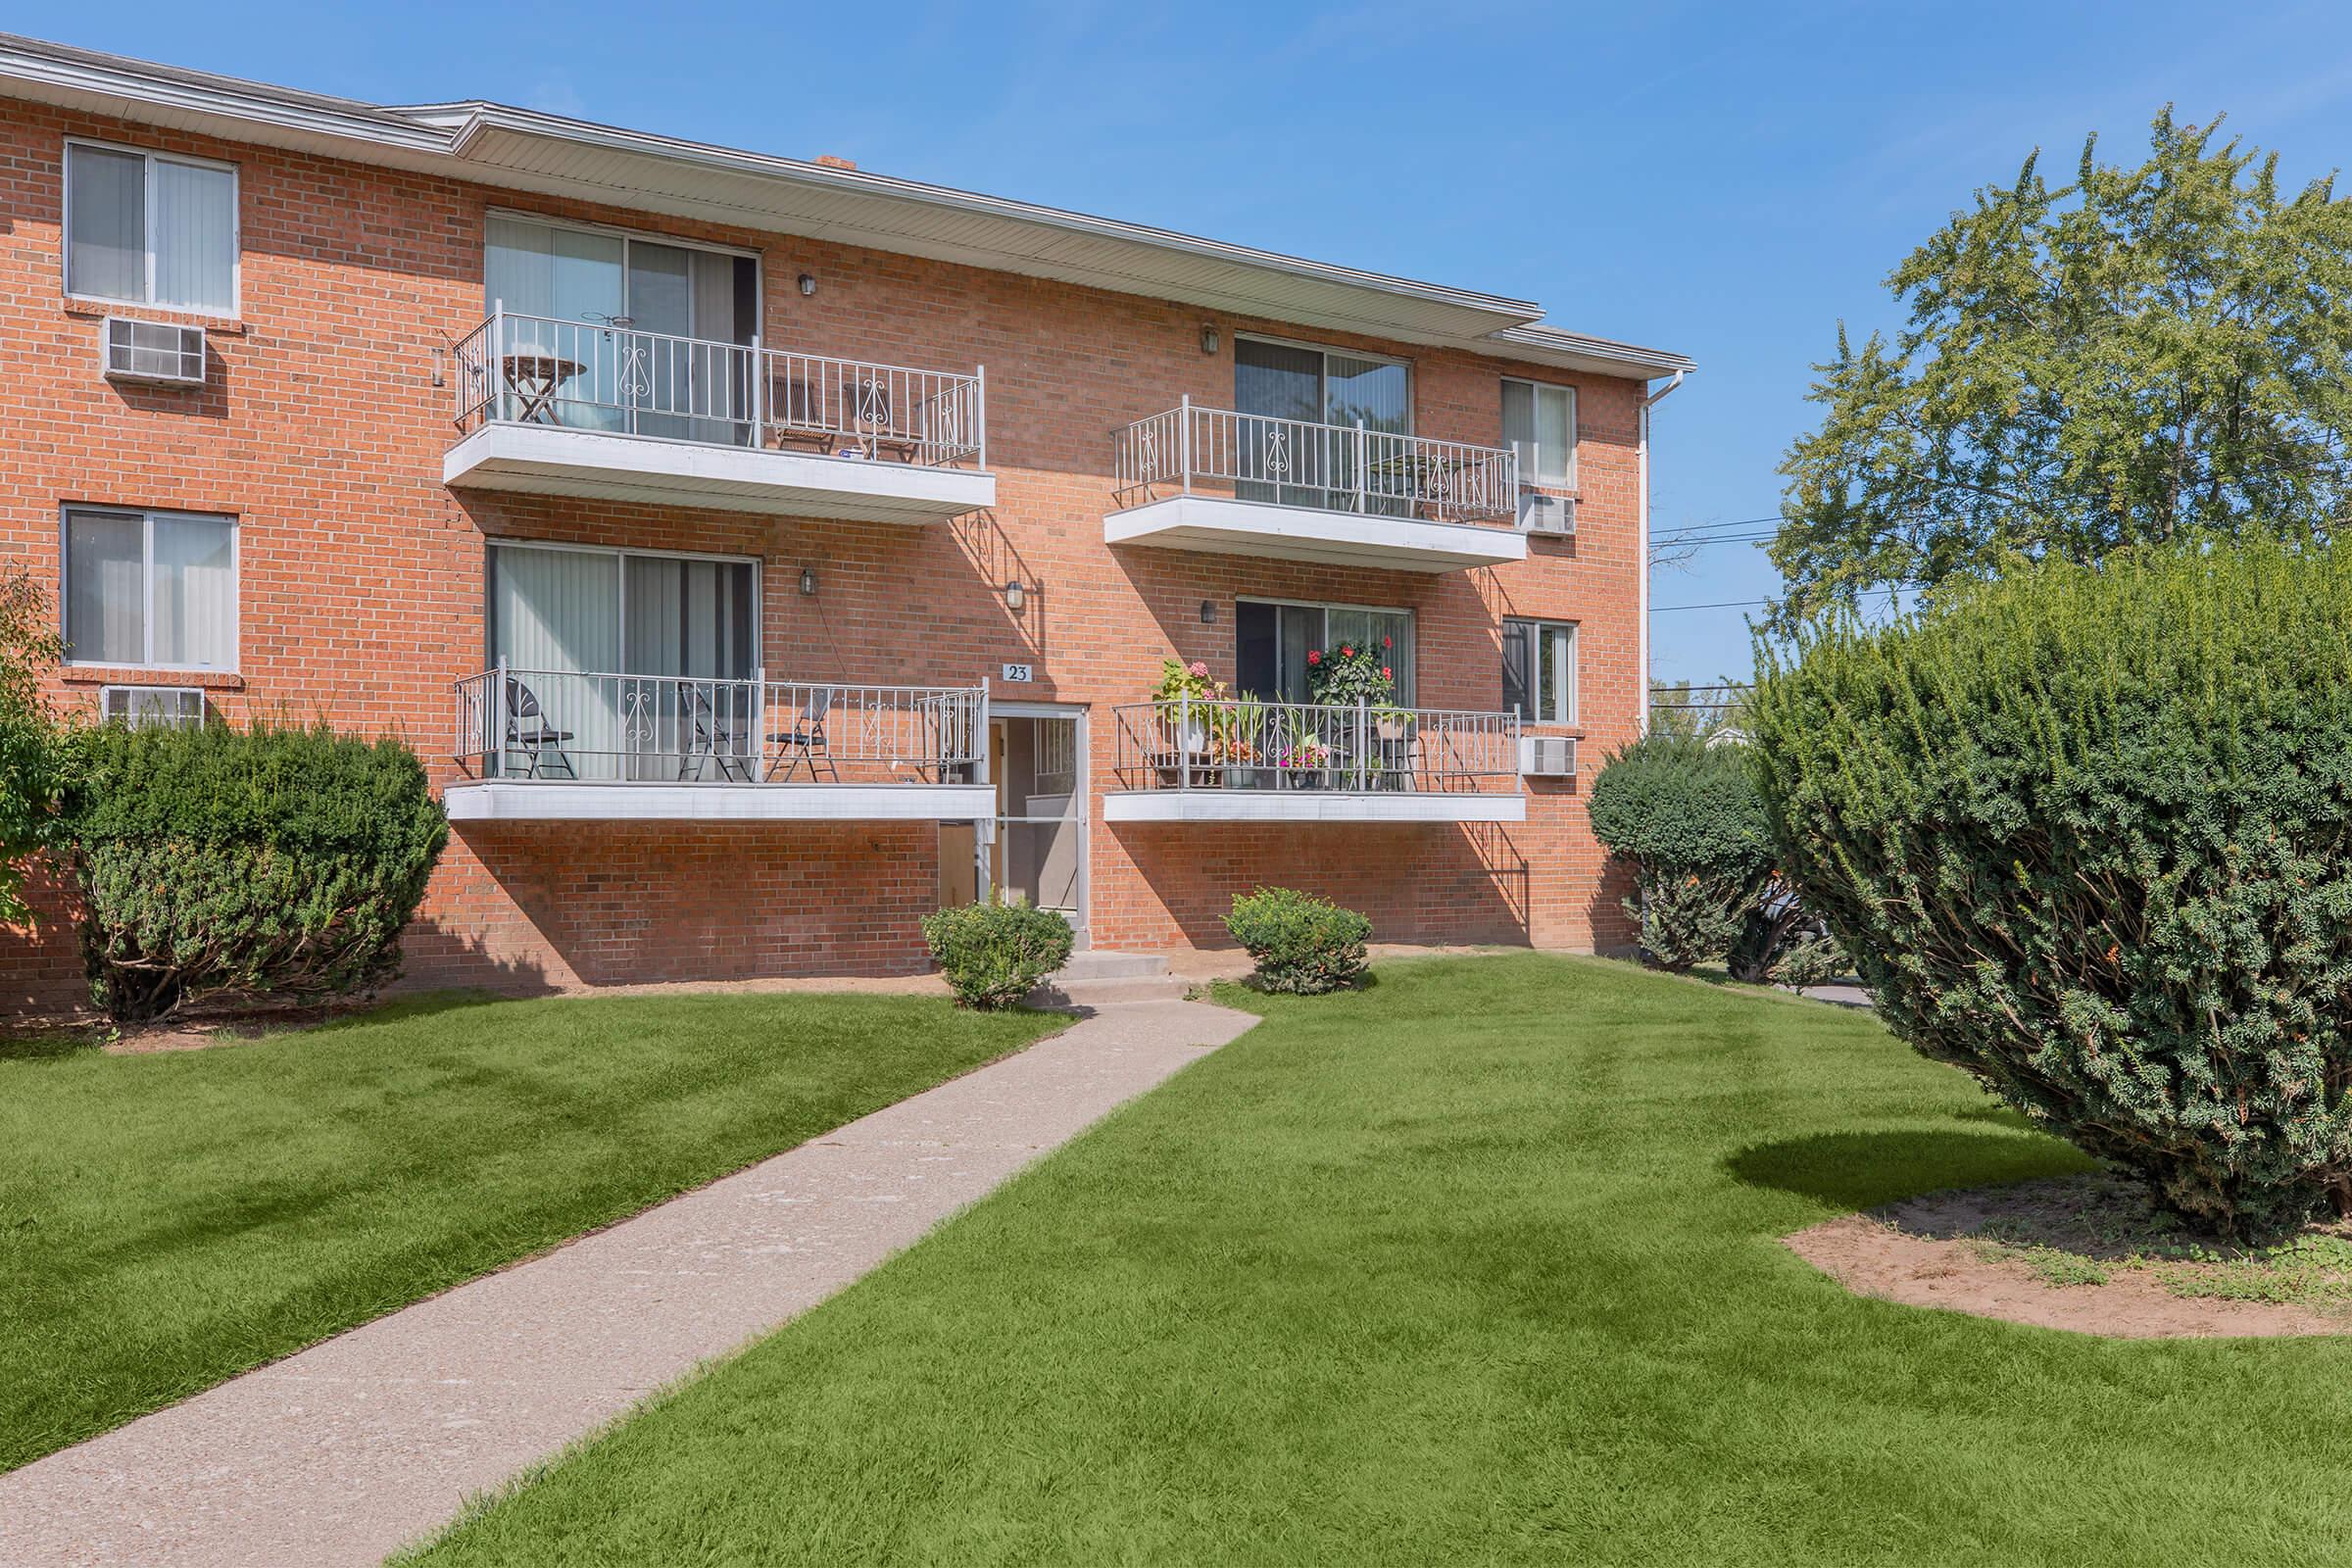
[{"x": 2087, "y": 1254}]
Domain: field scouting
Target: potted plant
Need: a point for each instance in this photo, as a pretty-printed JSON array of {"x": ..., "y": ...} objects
[
  {"x": 1188, "y": 704},
  {"x": 1245, "y": 740},
  {"x": 1302, "y": 758},
  {"x": 1352, "y": 675}
]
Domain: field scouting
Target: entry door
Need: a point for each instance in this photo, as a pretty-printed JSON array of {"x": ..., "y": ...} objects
[{"x": 1040, "y": 767}]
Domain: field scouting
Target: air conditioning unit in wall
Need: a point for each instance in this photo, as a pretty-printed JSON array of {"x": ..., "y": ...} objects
[
  {"x": 1548, "y": 755},
  {"x": 168, "y": 707},
  {"x": 1543, "y": 513},
  {"x": 154, "y": 353}
]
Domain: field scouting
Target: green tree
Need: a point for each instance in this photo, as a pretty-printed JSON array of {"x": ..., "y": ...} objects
[
  {"x": 32, "y": 755},
  {"x": 2142, "y": 353}
]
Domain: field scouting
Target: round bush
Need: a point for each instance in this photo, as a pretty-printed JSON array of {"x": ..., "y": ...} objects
[
  {"x": 2086, "y": 832},
  {"x": 1303, "y": 945},
  {"x": 993, "y": 955},
  {"x": 1686, "y": 816},
  {"x": 268, "y": 860}
]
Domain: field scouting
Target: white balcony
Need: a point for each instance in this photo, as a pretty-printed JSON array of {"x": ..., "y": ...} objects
[
  {"x": 1244, "y": 760},
  {"x": 1199, "y": 478},
  {"x": 572, "y": 745},
  {"x": 605, "y": 412}
]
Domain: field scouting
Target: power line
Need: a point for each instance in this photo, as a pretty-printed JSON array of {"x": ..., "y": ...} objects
[{"x": 1743, "y": 603}]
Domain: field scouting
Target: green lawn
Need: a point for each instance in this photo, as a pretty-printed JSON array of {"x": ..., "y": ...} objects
[
  {"x": 1476, "y": 1266},
  {"x": 168, "y": 1220}
]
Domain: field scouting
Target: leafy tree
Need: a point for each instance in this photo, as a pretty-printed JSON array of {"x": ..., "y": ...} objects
[
  {"x": 33, "y": 754},
  {"x": 1681, "y": 710},
  {"x": 2142, "y": 353}
]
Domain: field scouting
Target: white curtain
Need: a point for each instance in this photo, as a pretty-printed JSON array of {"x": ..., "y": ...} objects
[
  {"x": 105, "y": 588},
  {"x": 195, "y": 593},
  {"x": 195, "y": 236},
  {"x": 106, "y": 249},
  {"x": 557, "y": 610},
  {"x": 1539, "y": 422}
]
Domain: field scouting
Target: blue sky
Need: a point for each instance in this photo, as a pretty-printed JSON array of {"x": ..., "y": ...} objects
[{"x": 1725, "y": 180}]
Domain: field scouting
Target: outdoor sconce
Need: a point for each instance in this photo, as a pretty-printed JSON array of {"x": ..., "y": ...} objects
[
  {"x": 807, "y": 580},
  {"x": 1209, "y": 613},
  {"x": 808, "y": 283},
  {"x": 1014, "y": 596},
  {"x": 1208, "y": 337}
]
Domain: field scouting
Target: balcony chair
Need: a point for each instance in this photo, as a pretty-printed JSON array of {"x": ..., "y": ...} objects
[
  {"x": 796, "y": 419},
  {"x": 715, "y": 740},
  {"x": 529, "y": 732},
  {"x": 870, "y": 401},
  {"x": 805, "y": 742}
]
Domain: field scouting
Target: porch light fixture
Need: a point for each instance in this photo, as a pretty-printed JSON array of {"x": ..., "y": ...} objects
[
  {"x": 1208, "y": 337},
  {"x": 808, "y": 283},
  {"x": 1209, "y": 613},
  {"x": 1014, "y": 594},
  {"x": 807, "y": 580}
]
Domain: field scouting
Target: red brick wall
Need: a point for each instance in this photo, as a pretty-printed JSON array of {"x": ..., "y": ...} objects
[{"x": 362, "y": 574}]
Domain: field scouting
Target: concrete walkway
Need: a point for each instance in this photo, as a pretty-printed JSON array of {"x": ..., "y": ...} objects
[{"x": 360, "y": 1445}]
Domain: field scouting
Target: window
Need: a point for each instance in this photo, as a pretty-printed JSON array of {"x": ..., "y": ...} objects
[
  {"x": 631, "y": 612},
  {"x": 149, "y": 588},
  {"x": 1539, "y": 422},
  {"x": 1538, "y": 670},
  {"x": 1273, "y": 380},
  {"x": 1271, "y": 643},
  {"x": 150, "y": 230}
]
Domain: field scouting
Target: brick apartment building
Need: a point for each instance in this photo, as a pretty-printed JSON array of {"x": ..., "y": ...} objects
[{"x": 762, "y": 552}]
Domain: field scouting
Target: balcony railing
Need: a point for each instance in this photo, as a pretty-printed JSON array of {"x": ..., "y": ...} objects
[
  {"x": 1242, "y": 744},
  {"x": 1192, "y": 450},
  {"x": 592, "y": 375},
  {"x": 572, "y": 726}
]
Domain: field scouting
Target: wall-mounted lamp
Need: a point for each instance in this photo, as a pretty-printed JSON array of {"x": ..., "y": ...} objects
[
  {"x": 1014, "y": 596},
  {"x": 807, "y": 579},
  {"x": 1208, "y": 337},
  {"x": 1209, "y": 613},
  {"x": 808, "y": 283}
]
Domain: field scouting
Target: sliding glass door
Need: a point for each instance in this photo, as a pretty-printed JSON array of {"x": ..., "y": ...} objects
[
  {"x": 1290, "y": 383},
  {"x": 644, "y": 662},
  {"x": 1272, "y": 643},
  {"x": 628, "y": 320}
]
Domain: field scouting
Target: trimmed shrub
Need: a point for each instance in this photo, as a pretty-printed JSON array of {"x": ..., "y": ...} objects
[
  {"x": 1686, "y": 815},
  {"x": 274, "y": 859},
  {"x": 35, "y": 755},
  {"x": 2086, "y": 833},
  {"x": 1303, "y": 945},
  {"x": 993, "y": 955}
]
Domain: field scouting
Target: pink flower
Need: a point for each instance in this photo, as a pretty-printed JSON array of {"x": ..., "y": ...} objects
[
  {"x": 1199, "y": 668},
  {"x": 1385, "y": 674},
  {"x": 1347, "y": 651},
  {"x": 1314, "y": 656}
]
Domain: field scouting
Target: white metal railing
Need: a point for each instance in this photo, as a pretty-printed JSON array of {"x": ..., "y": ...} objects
[
  {"x": 602, "y": 375},
  {"x": 1336, "y": 467},
  {"x": 1189, "y": 743},
  {"x": 603, "y": 728}
]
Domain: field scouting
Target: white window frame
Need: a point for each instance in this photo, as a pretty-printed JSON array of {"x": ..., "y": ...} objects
[
  {"x": 236, "y": 228},
  {"x": 1576, "y": 441},
  {"x": 1323, "y": 388},
  {"x": 1569, "y": 685},
  {"x": 147, "y": 516},
  {"x": 757, "y": 565}
]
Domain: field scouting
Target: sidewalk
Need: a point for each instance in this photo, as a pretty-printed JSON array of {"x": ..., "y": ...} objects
[{"x": 359, "y": 1446}]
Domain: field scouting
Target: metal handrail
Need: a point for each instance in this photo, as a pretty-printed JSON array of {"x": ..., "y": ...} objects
[
  {"x": 519, "y": 369},
  {"x": 604, "y": 727},
  {"x": 1338, "y": 467},
  {"x": 1187, "y": 743}
]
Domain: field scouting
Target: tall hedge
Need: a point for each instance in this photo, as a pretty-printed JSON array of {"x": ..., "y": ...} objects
[
  {"x": 268, "y": 860},
  {"x": 1684, "y": 816},
  {"x": 2088, "y": 833}
]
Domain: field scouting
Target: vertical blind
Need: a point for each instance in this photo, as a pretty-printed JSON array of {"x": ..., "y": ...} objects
[
  {"x": 607, "y": 612},
  {"x": 1538, "y": 422},
  {"x": 1538, "y": 670},
  {"x": 150, "y": 589},
  {"x": 131, "y": 210},
  {"x": 1271, "y": 643}
]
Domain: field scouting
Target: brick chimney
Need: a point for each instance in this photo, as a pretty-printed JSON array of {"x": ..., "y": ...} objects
[{"x": 831, "y": 162}]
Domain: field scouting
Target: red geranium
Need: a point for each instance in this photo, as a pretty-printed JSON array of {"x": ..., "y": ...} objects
[
  {"x": 1314, "y": 656},
  {"x": 1385, "y": 674}
]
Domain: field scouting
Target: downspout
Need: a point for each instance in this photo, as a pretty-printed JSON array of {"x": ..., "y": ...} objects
[{"x": 1641, "y": 508}]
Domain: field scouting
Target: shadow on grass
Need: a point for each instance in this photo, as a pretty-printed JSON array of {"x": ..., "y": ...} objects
[
  {"x": 1862, "y": 1170},
  {"x": 51, "y": 1046}
]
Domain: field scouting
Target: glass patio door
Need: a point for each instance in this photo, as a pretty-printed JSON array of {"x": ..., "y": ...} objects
[
  {"x": 1040, "y": 848},
  {"x": 1279, "y": 463}
]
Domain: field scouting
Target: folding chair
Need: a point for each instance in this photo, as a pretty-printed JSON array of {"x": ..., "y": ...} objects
[
  {"x": 529, "y": 732},
  {"x": 715, "y": 740},
  {"x": 806, "y": 741}
]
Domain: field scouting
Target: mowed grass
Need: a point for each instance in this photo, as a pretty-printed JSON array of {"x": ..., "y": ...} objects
[
  {"x": 168, "y": 1220},
  {"x": 1477, "y": 1266}
]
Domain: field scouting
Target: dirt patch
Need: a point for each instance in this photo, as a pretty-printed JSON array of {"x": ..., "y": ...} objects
[{"x": 2088, "y": 1253}]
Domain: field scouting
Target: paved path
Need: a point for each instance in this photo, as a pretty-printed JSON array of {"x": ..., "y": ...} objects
[{"x": 363, "y": 1444}]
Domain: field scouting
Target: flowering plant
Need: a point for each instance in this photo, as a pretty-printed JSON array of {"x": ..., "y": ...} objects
[
  {"x": 1351, "y": 674},
  {"x": 1178, "y": 679},
  {"x": 1306, "y": 752}
]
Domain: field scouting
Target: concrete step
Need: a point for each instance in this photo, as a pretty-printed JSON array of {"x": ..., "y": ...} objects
[
  {"x": 1102, "y": 964},
  {"x": 1060, "y": 993}
]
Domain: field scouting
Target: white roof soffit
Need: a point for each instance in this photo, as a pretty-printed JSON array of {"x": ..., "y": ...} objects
[{"x": 520, "y": 148}]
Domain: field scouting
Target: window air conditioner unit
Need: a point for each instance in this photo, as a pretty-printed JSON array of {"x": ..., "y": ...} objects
[
  {"x": 1541, "y": 514},
  {"x": 170, "y": 707},
  {"x": 156, "y": 353},
  {"x": 1548, "y": 755}
]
